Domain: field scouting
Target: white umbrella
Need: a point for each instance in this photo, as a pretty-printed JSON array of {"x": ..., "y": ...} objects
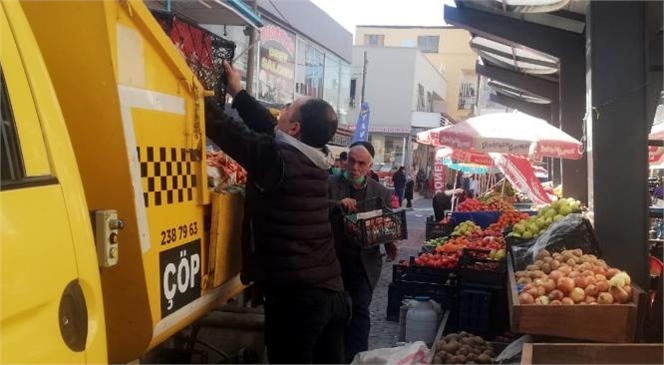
[{"x": 512, "y": 133}]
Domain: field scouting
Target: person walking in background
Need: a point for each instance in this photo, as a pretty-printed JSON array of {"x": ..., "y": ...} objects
[
  {"x": 399, "y": 181},
  {"x": 288, "y": 244},
  {"x": 360, "y": 267},
  {"x": 421, "y": 178},
  {"x": 474, "y": 187},
  {"x": 410, "y": 187}
]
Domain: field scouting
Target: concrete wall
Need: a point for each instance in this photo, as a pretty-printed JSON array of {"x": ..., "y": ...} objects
[
  {"x": 453, "y": 58},
  {"x": 433, "y": 81},
  {"x": 389, "y": 84}
]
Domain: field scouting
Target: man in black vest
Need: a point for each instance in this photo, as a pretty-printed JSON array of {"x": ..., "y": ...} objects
[
  {"x": 351, "y": 192},
  {"x": 292, "y": 255}
]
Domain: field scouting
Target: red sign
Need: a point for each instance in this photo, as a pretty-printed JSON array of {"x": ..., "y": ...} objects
[{"x": 519, "y": 172}]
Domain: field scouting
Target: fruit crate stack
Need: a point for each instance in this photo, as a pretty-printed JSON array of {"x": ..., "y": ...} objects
[
  {"x": 437, "y": 229},
  {"x": 559, "y": 286}
]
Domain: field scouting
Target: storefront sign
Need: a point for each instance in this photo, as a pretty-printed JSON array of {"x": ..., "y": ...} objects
[{"x": 277, "y": 65}]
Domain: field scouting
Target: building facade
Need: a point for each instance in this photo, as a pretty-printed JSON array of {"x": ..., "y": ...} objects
[
  {"x": 447, "y": 48},
  {"x": 405, "y": 93}
]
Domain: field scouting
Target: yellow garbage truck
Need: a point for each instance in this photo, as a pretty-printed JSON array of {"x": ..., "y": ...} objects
[{"x": 104, "y": 204}]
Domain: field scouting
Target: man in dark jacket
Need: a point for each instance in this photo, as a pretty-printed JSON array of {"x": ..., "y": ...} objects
[
  {"x": 399, "y": 181},
  {"x": 293, "y": 256},
  {"x": 352, "y": 192}
]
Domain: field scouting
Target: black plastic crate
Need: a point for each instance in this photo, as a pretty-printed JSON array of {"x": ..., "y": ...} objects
[
  {"x": 204, "y": 51},
  {"x": 445, "y": 295},
  {"x": 389, "y": 226},
  {"x": 437, "y": 229},
  {"x": 474, "y": 266},
  {"x": 407, "y": 272},
  {"x": 483, "y": 309}
]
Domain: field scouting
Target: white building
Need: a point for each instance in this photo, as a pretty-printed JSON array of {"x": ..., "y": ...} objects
[{"x": 405, "y": 93}]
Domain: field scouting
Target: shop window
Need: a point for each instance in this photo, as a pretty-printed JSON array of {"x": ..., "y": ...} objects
[
  {"x": 353, "y": 86},
  {"x": 428, "y": 43},
  {"x": 12, "y": 168},
  {"x": 374, "y": 40}
]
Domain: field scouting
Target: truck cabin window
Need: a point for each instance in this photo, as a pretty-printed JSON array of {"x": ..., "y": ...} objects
[{"x": 10, "y": 152}]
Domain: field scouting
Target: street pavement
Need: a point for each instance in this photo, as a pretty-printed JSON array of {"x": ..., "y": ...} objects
[{"x": 385, "y": 333}]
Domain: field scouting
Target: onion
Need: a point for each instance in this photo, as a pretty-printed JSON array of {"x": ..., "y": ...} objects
[
  {"x": 617, "y": 281},
  {"x": 538, "y": 263},
  {"x": 602, "y": 286},
  {"x": 590, "y": 299},
  {"x": 549, "y": 285},
  {"x": 577, "y": 252},
  {"x": 572, "y": 274},
  {"x": 555, "y": 275},
  {"x": 604, "y": 298},
  {"x": 555, "y": 264},
  {"x": 600, "y": 277},
  {"x": 542, "y": 300},
  {"x": 611, "y": 273},
  {"x": 567, "y": 301},
  {"x": 532, "y": 291},
  {"x": 538, "y": 282},
  {"x": 540, "y": 291},
  {"x": 625, "y": 277},
  {"x": 580, "y": 282},
  {"x": 590, "y": 280},
  {"x": 523, "y": 280},
  {"x": 536, "y": 274},
  {"x": 602, "y": 263},
  {"x": 525, "y": 298},
  {"x": 584, "y": 258},
  {"x": 598, "y": 270},
  {"x": 587, "y": 273},
  {"x": 556, "y": 295},
  {"x": 628, "y": 289},
  {"x": 542, "y": 254},
  {"x": 591, "y": 290},
  {"x": 547, "y": 259},
  {"x": 565, "y": 285},
  {"x": 546, "y": 268},
  {"x": 565, "y": 269},
  {"x": 571, "y": 262},
  {"x": 619, "y": 294},
  {"x": 555, "y": 302},
  {"x": 577, "y": 295},
  {"x": 586, "y": 266},
  {"x": 532, "y": 267}
]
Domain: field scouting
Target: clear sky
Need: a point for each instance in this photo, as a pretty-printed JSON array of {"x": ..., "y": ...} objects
[{"x": 350, "y": 13}]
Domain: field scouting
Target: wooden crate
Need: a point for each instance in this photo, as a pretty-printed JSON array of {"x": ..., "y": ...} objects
[
  {"x": 601, "y": 323},
  {"x": 591, "y": 353}
]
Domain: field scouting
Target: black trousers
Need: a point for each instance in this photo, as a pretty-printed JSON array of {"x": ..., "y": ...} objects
[
  {"x": 357, "y": 284},
  {"x": 306, "y": 326}
]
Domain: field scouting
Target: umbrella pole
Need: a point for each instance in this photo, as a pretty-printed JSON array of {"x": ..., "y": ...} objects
[
  {"x": 502, "y": 189},
  {"x": 454, "y": 201}
]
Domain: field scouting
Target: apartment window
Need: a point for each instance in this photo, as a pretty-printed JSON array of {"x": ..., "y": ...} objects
[
  {"x": 374, "y": 39},
  {"x": 420, "y": 98},
  {"x": 353, "y": 86},
  {"x": 428, "y": 43}
]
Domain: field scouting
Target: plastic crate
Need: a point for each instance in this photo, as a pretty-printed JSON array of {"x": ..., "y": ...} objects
[
  {"x": 572, "y": 232},
  {"x": 437, "y": 229},
  {"x": 404, "y": 272},
  {"x": 204, "y": 51},
  {"x": 387, "y": 226},
  {"x": 475, "y": 267},
  {"x": 483, "y": 310},
  {"x": 482, "y": 219},
  {"x": 445, "y": 295}
]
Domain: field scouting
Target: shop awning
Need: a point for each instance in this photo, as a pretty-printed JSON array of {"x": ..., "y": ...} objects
[
  {"x": 217, "y": 12},
  {"x": 519, "y": 59}
]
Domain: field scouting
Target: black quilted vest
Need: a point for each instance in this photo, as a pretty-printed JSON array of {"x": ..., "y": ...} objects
[{"x": 292, "y": 235}]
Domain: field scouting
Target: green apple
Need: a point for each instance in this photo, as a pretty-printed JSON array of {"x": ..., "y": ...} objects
[
  {"x": 558, "y": 217},
  {"x": 533, "y": 228},
  {"x": 565, "y": 210},
  {"x": 519, "y": 228},
  {"x": 549, "y": 220},
  {"x": 541, "y": 223},
  {"x": 527, "y": 235}
]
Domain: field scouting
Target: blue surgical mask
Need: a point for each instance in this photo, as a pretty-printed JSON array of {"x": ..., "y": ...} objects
[
  {"x": 335, "y": 171},
  {"x": 358, "y": 181}
]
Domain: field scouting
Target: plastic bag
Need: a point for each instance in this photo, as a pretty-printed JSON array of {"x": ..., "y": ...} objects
[
  {"x": 414, "y": 353},
  {"x": 571, "y": 232}
]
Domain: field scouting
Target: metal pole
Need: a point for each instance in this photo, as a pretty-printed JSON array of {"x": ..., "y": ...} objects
[
  {"x": 251, "y": 56},
  {"x": 364, "y": 77}
]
